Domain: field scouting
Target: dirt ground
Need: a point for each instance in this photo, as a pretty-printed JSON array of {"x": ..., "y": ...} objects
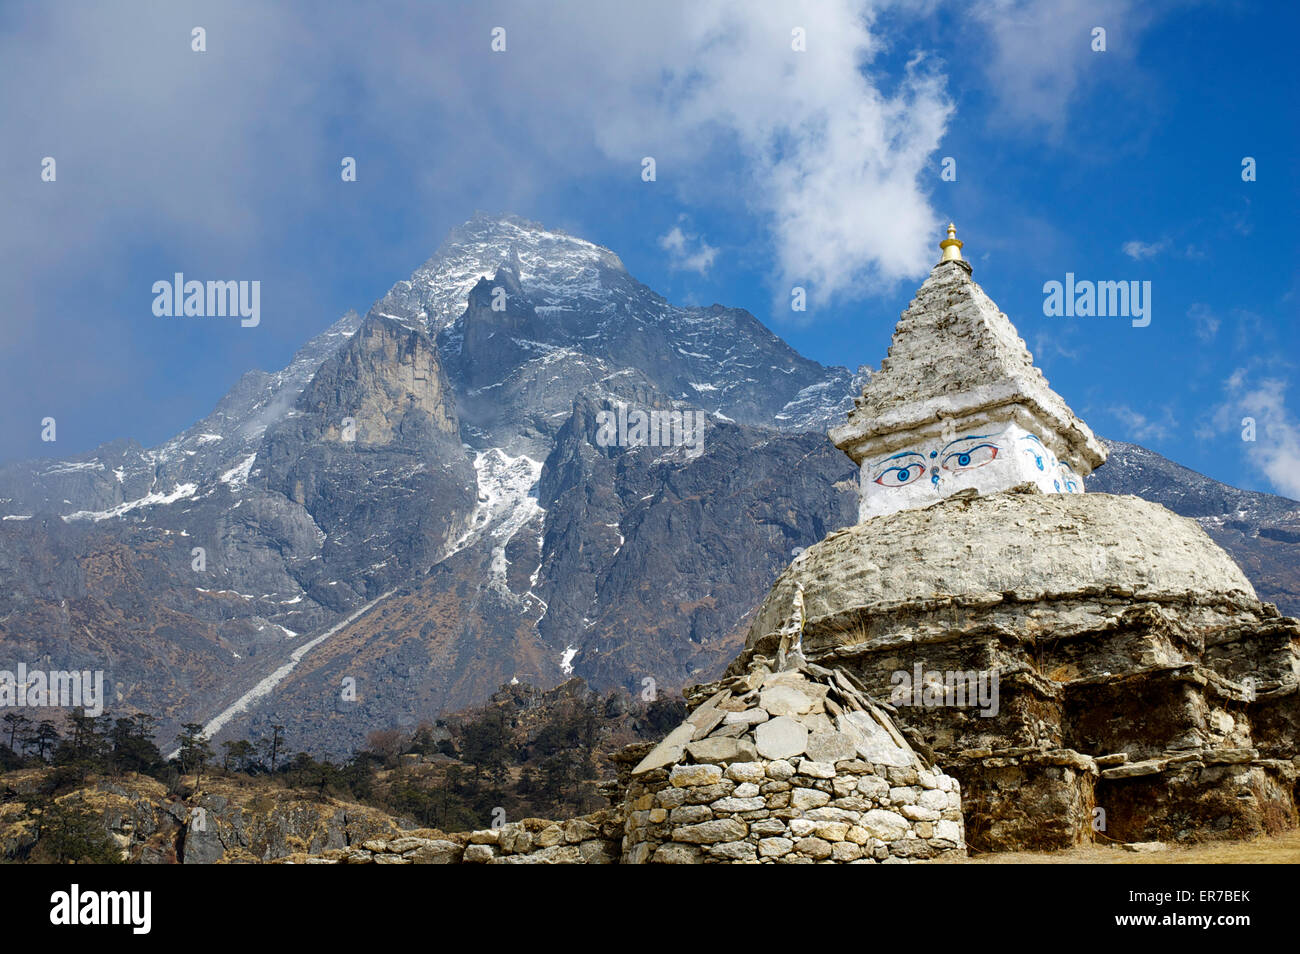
[{"x": 1281, "y": 850}]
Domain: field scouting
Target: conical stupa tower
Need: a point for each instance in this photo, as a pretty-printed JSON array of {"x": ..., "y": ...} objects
[
  {"x": 1090, "y": 667},
  {"x": 958, "y": 404}
]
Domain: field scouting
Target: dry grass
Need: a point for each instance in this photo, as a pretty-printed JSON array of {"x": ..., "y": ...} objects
[{"x": 1280, "y": 850}]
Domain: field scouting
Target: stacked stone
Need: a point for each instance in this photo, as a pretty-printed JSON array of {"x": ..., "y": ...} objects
[
  {"x": 793, "y": 767},
  {"x": 588, "y": 840}
]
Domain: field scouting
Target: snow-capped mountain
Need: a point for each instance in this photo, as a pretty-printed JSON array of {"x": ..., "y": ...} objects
[
  {"x": 548, "y": 261},
  {"x": 577, "y": 297},
  {"x": 418, "y": 506}
]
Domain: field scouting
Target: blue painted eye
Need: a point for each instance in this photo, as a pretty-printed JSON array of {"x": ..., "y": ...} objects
[
  {"x": 898, "y": 476},
  {"x": 1057, "y": 485},
  {"x": 976, "y": 456}
]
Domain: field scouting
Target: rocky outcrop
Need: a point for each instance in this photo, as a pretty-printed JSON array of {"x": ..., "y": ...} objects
[{"x": 225, "y": 823}]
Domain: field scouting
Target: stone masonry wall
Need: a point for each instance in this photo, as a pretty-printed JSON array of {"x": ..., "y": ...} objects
[
  {"x": 593, "y": 839},
  {"x": 791, "y": 812}
]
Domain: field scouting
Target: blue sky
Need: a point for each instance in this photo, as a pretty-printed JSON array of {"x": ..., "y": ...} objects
[{"x": 819, "y": 168}]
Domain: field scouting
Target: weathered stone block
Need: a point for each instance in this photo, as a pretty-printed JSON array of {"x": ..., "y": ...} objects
[
  {"x": 706, "y": 833},
  {"x": 683, "y": 776},
  {"x": 845, "y": 851},
  {"x": 732, "y": 805},
  {"x": 885, "y": 825},
  {"x": 746, "y": 772},
  {"x": 780, "y": 770},
  {"x": 436, "y": 853},
  {"x": 722, "y": 750},
  {"x": 815, "y": 848},
  {"x": 690, "y": 814},
  {"x": 733, "y": 851},
  {"x": 781, "y": 738},
  {"x": 780, "y": 700},
  {"x": 815, "y": 769},
  {"x": 803, "y": 799},
  {"x": 675, "y": 854},
  {"x": 478, "y": 854}
]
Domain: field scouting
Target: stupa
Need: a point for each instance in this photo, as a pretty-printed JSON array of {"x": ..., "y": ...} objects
[
  {"x": 1090, "y": 667},
  {"x": 958, "y": 405}
]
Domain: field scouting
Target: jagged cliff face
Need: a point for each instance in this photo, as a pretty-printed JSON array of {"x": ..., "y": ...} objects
[
  {"x": 372, "y": 452},
  {"x": 473, "y": 529}
]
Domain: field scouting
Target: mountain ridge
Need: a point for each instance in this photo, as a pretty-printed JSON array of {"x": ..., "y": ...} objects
[{"x": 474, "y": 513}]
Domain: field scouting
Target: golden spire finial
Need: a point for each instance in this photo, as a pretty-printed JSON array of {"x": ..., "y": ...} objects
[{"x": 951, "y": 246}]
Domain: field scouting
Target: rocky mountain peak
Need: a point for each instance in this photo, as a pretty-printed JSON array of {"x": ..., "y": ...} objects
[{"x": 434, "y": 296}]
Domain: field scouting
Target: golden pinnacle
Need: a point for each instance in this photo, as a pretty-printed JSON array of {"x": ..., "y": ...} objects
[{"x": 951, "y": 246}]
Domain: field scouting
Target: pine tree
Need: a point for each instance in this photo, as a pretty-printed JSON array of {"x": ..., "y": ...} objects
[
  {"x": 195, "y": 752},
  {"x": 16, "y": 724}
]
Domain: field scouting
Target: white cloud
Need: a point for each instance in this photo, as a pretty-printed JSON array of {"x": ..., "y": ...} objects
[
  {"x": 687, "y": 251},
  {"x": 208, "y": 150},
  {"x": 1252, "y": 392},
  {"x": 1276, "y": 449},
  {"x": 1049, "y": 346},
  {"x": 834, "y": 163},
  {"x": 1141, "y": 428},
  {"x": 1143, "y": 250},
  {"x": 1042, "y": 52}
]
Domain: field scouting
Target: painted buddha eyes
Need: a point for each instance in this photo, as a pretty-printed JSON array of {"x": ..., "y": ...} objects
[
  {"x": 908, "y": 466},
  {"x": 900, "y": 474},
  {"x": 968, "y": 453},
  {"x": 970, "y": 458}
]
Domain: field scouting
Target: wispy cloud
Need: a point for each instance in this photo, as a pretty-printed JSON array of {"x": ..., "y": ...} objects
[
  {"x": 1140, "y": 427},
  {"x": 1042, "y": 56},
  {"x": 687, "y": 252},
  {"x": 1049, "y": 346},
  {"x": 1204, "y": 321},
  {"x": 1254, "y": 406},
  {"x": 1143, "y": 250},
  {"x": 832, "y": 149}
]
